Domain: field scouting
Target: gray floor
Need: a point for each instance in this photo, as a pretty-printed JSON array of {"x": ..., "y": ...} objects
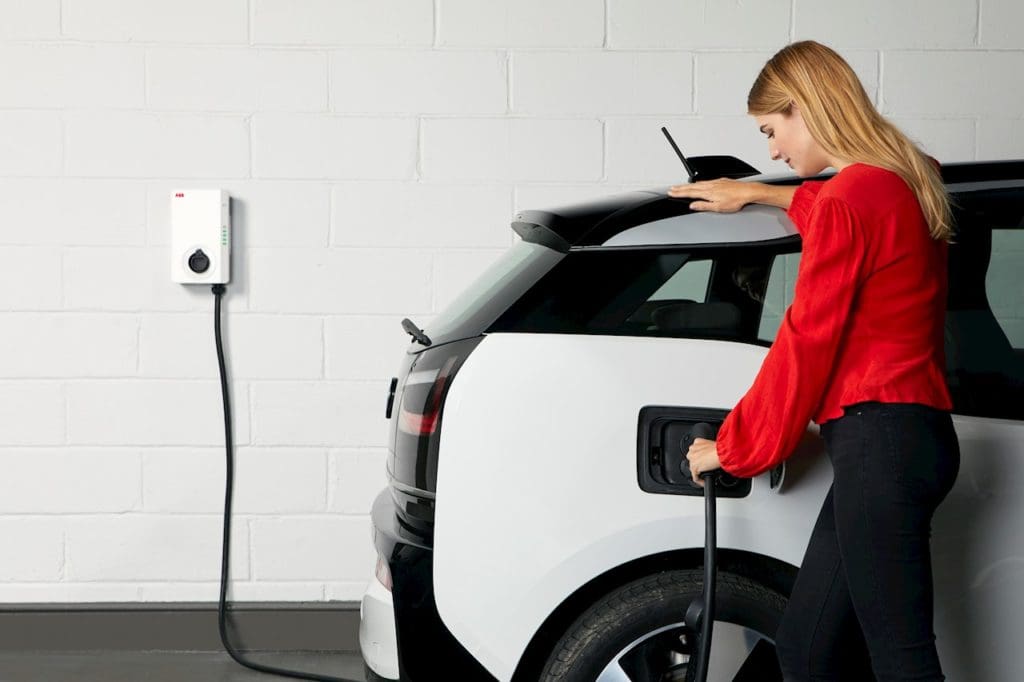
[{"x": 163, "y": 666}]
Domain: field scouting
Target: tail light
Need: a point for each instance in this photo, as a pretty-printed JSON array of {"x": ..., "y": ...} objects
[
  {"x": 421, "y": 419},
  {"x": 418, "y": 416}
]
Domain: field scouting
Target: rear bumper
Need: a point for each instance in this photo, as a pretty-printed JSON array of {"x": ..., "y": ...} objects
[
  {"x": 377, "y": 639},
  {"x": 425, "y": 650}
]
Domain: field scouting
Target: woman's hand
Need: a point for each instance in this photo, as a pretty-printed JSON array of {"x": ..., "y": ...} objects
[
  {"x": 703, "y": 457},
  {"x": 720, "y": 196}
]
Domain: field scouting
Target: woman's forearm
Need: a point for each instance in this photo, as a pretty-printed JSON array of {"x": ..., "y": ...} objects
[{"x": 772, "y": 195}]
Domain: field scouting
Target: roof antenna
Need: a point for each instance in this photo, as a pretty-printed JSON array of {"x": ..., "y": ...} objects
[{"x": 689, "y": 172}]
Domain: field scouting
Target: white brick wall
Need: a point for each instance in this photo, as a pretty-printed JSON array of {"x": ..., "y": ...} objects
[
  {"x": 418, "y": 81},
  {"x": 72, "y": 76},
  {"x": 595, "y": 83},
  {"x": 55, "y": 345},
  {"x": 235, "y": 79},
  {"x": 145, "y": 21},
  {"x": 69, "y": 212},
  {"x": 881, "y": 24},
  {"x": 508, "y": 149},
  {"x": 55, "y": 481},
  {"x": 520, "y": 23},
  {"x": 962, "y": 84},
  {"x": 33, "y": 413},
  {"x": 374, "y": 152},
  {"x": 1000, "y": 24},
  {"x": 673, "y": 24},
  {"x": 31, "y": 143},
  {"x": 268, "y": 481},
  {"x": 333, "y": 147},
  {"x": 153, "y": 145},
  {"x": 39, "y": 20},
  {"x": 396, "y": 23}
]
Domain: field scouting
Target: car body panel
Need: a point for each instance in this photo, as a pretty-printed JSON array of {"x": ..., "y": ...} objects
[
  {"x": 537, "y": 531},
  {"x": 978, "y": 555}
]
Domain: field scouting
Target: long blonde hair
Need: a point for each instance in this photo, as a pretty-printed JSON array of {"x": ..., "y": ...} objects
[{"x": 841, "y": 118}]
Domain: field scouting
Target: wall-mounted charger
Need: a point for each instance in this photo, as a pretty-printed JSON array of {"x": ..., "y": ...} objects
[{"x": 200, "y": 236}]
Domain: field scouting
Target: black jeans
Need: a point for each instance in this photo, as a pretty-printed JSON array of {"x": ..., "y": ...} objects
[{"x": 862, "y": 602}]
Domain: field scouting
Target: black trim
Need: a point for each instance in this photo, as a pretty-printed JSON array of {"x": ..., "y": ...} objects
[
  {"x": 536, "y": 232},
  {"x": 983, "y": 171},
  {"x": 570, "y": 223},
  {"x": 426, "y": 647},
  {"x": 695, "y": 249}
]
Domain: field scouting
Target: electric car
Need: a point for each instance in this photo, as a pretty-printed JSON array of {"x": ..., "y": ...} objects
[{"x": 537, "y": 526}]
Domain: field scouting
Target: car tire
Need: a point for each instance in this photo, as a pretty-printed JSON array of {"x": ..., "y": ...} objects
[{"x": 647, "y": 615}]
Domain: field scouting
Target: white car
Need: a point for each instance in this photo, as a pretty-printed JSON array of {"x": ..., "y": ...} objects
[{"x": 536, "y": 525}]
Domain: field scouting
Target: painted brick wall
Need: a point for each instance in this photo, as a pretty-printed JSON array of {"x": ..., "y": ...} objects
[{"x": 375, "y": 151}]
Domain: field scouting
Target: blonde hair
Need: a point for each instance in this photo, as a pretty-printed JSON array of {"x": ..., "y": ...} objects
[{"x": 841, "y": 118}]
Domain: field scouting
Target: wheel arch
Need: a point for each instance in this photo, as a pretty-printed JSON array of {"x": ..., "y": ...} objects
[{"x": 771, "y": 572}]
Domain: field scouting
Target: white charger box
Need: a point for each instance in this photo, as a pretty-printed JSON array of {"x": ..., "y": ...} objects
[{"x": 200, "y": 236}]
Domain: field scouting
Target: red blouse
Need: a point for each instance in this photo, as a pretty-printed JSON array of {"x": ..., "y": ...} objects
[{"x": 866, "y": 322}]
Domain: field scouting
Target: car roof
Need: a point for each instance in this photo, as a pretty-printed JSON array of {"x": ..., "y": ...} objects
[{"x": 652, "y": 218}]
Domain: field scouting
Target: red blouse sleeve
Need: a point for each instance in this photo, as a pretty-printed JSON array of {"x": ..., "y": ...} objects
[
  {"x": 768, "y": 422},
  {"x": 800, "y": 208}
]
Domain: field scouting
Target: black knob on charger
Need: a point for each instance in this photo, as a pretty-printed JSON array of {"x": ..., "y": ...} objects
[{"x": 199, "y": 262}]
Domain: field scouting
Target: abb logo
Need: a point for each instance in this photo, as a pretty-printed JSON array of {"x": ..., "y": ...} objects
[{"x": 179, "y": 195}]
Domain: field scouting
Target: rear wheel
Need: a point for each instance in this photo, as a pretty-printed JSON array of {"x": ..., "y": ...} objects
[{"x": 637, "y": 634}]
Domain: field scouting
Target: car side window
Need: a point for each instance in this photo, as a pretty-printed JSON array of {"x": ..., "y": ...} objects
[
  {"x": 1004, "y": 284},
  {"x": 985, "y": 312},
  {"x": 690, "y": 282},
  {"x": 778, "y": 295}
]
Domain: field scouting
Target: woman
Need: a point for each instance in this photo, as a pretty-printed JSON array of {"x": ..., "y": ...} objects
[{"x": 860, "y": 351}]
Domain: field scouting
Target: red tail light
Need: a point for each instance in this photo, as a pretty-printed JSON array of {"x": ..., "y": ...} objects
[
  {"x": 425, "y": 423},
  {"x": 418, "y": 420}
]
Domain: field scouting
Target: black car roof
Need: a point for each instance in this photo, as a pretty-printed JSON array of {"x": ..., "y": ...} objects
[{"x": 593, "y": 223}]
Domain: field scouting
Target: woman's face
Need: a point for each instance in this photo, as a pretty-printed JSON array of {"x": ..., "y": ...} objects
[{"x": 790, "y": 141}]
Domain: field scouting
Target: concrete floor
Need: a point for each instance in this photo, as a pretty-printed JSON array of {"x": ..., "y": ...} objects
[{"x": 164, "y": 666}]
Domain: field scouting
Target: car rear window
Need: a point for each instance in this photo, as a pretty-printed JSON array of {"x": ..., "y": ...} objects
[
  {"x": 504, "y": 281},
  {"x": 707, "y": 292}
]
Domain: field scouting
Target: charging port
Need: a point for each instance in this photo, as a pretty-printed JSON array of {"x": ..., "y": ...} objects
[{"x": 663, "y": 437}]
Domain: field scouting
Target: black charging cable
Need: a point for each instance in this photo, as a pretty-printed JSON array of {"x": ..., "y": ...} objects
[
  {"x": 701, "y": 611},
  {"x": 218, "y": 292},
  {"x": 705, "y": 612}
]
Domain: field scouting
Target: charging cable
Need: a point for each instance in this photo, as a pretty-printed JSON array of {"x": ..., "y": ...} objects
[{"x": 218, "y": 292}]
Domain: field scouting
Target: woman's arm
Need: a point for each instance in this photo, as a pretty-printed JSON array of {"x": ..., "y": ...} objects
[
  {"x": 768, "y": 422},
  {"x": 772, "y": 195},
  {"x": 728, "y": 196}
]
